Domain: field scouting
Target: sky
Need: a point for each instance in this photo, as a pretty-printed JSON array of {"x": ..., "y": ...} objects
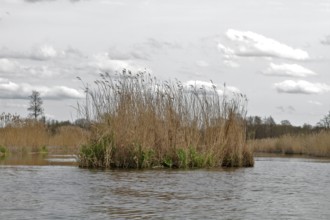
[{"x": 276, "y": 52}]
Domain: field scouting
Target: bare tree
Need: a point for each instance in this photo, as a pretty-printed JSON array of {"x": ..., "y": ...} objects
[
  {"x": 325, "y": 122},
  {"x": 35, "y": 105}
]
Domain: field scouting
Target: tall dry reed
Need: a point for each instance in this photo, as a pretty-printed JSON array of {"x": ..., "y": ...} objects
[
  {"x": 138, "y": 121},
  {"x": 25, "y": 136},
  {"x": 317, "y": 144}
]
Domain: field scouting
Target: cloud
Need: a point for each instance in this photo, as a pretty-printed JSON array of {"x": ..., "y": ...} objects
[
  {"x": 40, "y": 53},
  {"x": 11, "y": 69},
  {"x": 8, "y": 66},
  {"x": 115, "y": 54},
  {"x": 315, "y": 103},
  {"x": 231, "y": 63},
  {"x": 158, "y": 44},
  {"x": 293, "y": 70},
  {"x": 196, "y": 85},
  {"x": 11, "y": 90},
  {"x": 39, "y": 71},
  {"x": 228, "y": 56},
  {"x": 44, "y": 52},
  {"x": 301, "y": 87},
  {"x": 248, "y": 43},
  {"x": 202, "y": 63},
  {"x": 286, "y": 109},
  {"x": 103, "y": 62},
  {"x": 326, "y": 40},
  {"x": 37, "y": 1}
]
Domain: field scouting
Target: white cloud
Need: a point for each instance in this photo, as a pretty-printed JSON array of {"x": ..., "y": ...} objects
[
  {"x": 315, "y": 103},
  {"x": 60, "y": 92},
  {"x": 44, "y": 52},
  {"x": 228, "y": 52},
  {"x": 248, "y": 43},
  {"x": 200, "y": 84},
  {"x": 232, "y": 89},
  {"x": 210, "y": 87},
  {"x": 104, "y": 63},
  {"x": 293, "y": 70},
  {"x": 301, "y": 87},
  {"x": 228, "y": 56},
  {"x": 11, "y": 90}
]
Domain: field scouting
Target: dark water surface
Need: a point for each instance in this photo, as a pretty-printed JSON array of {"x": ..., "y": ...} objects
[{"x": 276, "y": 188}]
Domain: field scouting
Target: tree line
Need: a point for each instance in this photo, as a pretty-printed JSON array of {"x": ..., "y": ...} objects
[
  {"x": 259, "y": 128},
  {"x": 256, "y": 127}
]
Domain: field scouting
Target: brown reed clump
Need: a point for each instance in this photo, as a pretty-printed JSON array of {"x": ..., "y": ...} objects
[
  {"x": 139, "y": 122},
  {"x": 31, "y": 136},
  {"x": 24, "y": 136},
  {"x": 317, "y": 144}
]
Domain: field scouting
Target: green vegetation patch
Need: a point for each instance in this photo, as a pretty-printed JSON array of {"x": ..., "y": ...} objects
[{"x": 3, "y": 151}]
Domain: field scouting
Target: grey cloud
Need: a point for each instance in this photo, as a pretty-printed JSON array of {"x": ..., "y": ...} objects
[
  {"x": 326, "y": 40},
  {"x": 286, "y": 109}
]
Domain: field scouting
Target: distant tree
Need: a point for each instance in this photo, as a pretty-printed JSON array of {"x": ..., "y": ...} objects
[
  {"x": 269, "y": 121},
  {"x": 35, "y": 106},
  {"x": 325, "y": 122},
  {"x": 257, "y": 120},
  {"x": 82, "y": 122},
  {"x": 285, "y": 123},
  {"x": 307, "y": 127}
]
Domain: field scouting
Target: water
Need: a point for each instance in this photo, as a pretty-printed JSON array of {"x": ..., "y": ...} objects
[{"x": 276, "y": 188}]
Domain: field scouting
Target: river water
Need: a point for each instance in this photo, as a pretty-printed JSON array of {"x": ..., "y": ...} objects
[{"x": 276, "y": 188}]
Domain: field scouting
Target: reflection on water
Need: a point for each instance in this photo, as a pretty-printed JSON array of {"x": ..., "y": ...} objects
[
  {"x": 276, "y": 188},
  {"x": 38, "y": 159}
]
